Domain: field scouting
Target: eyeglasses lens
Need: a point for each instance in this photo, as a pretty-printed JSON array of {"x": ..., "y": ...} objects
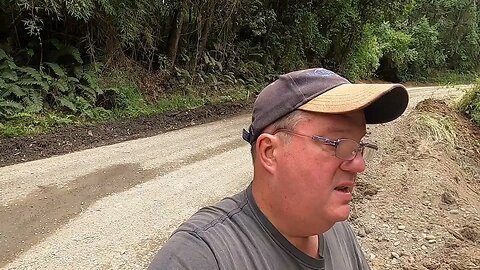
[{"x": 346, "y": 149}]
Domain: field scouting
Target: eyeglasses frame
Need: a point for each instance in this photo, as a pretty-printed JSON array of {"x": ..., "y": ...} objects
[{"x": 327, "y": 141}]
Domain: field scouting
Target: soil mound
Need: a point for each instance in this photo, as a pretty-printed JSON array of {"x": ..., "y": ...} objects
[{"x": 417, "y": 205}]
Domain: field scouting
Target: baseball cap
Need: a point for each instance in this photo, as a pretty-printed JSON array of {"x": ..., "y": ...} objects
[{"x": 322, "y": 90}]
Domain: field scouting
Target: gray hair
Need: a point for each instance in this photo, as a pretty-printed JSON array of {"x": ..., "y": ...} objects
[{"x": 288, "y": 121}]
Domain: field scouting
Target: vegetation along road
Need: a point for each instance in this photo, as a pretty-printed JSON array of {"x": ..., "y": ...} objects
[{"x": 112, "y": 207}]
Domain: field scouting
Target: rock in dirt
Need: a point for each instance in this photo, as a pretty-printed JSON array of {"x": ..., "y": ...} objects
[{"x": 448, "y": 198}]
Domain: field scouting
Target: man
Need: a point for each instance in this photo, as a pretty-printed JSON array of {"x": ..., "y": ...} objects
[{"x": 306, "y": 137}]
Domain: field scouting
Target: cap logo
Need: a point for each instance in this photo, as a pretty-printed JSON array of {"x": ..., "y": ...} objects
[{"x": 321, "y": 72}]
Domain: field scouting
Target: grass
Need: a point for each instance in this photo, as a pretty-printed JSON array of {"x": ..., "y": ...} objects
[
  {"x": 451, "y": 77},
  {"x": 188, "y": 98},
  {"x": 24, "y": 124},
  {"x": 470, "y": 103},
  {"x": 439, "y": 128}
]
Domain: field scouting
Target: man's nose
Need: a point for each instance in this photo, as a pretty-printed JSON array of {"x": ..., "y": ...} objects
[{"x": 356, "y": 165}]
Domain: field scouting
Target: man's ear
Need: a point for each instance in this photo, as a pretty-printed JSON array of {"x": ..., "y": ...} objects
[{"x": 267, "y": 151}]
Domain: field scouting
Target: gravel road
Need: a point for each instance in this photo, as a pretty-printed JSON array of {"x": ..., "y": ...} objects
[{"x": 112, "y": 207}]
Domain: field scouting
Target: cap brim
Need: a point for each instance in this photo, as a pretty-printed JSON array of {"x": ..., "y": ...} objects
[{"x": 381, "y": 102}]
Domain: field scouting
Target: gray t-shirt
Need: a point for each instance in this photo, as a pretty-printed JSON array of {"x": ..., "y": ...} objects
[{"x": 234, "y": 234}]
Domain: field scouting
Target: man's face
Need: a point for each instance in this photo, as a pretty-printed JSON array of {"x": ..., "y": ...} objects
[{"x": 315, "y": 186}]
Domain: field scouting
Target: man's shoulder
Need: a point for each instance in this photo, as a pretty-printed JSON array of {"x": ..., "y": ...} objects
[
  {"x": 342, "y": 247},
  {"x": 195, "y": 244},
  {"x": 211, "y": 217}
]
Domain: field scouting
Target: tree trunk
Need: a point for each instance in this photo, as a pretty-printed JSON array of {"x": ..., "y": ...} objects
[
  {"x": 346, "y": 50},
  {"x": 175, "y": 33},
  {"x": 210, "y": 14}
]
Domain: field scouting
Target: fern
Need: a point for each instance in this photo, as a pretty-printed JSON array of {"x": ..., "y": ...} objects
[
  {"x": 3, "y": 55},
  {"x": 11, "y": 65},
  {"x": 88, "y": 92},
  {"x": 89, "y": 79},
  {"x": 8, "y": 63},
  {"x": 34, "y": 98},
  {"x": 61, "y": 85},
  {"x": 25, "y": 89},
  {"x": 47, "y": 78},
  {"x": 64, "y": 50},
  {"x": 15, "y": 90},
  {"x": 10, "y": 75},
  {"x": 73, "y": 80},
  {"x": 35, "y": 74},
  {"x": 34, "y": 108},
  {"x": 9, "y": 108},
  {"x": 11, "y": 104},
  {"x": 67, "y": 103},
  {"x": 56, "y": 69},
  {"x": 30, "y": 82},
  {"x": 75, "y": 53}
]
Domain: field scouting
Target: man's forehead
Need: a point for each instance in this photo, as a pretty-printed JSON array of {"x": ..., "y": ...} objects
[
  {"x": 336, "y": 129},
  {"x": 339, "y": 123},
  {"x": 354, "y": 118}
]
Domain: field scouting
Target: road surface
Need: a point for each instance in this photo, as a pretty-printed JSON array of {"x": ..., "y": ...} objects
[{"x": 113, "y": 207}]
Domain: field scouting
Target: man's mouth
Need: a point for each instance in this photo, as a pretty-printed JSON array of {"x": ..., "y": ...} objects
[{"x": 343, "y": 189}]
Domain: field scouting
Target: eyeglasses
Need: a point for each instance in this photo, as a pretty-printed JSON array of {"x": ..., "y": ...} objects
[{"x": 345, "y": 149}]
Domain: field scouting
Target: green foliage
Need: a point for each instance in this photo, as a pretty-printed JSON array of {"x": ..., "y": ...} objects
[
  {"x": 470, "y": 103},
  {"x": 445, "y": 36},
  {"x": 396, "y": 50},
  {"x": 297, "y": 40},
  {"x": 49, "y": 58},
  {"x": 452, "y": 77},
  {"x": 259, "y": 38},
  {"x": 73, "y": 90},
  {"x": 62, "y": 51},
  {"x": 26, "y": 123},
  {"x": 411, "y": 52},
  {"x": 365, "y": 59},
  {"x": 8, "y": 107},
  {"x": 428, "y": 53}
]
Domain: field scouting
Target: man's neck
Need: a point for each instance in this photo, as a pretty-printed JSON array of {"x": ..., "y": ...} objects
[{"x": 307, "y": 244}]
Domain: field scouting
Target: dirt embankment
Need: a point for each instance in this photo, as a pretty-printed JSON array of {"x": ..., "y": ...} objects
[{"x": 417, "y": 206}]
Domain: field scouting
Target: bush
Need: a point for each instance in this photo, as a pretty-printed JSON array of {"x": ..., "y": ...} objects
[
  {"x": 429, "y": 55},
  {"x": 396, "y": 53},
  {"x": 365, "y": 59},
  {"x": 470, "y": 103}
]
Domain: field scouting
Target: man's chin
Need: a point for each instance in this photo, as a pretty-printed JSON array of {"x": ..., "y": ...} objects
[{"x": 343, "y": 213}]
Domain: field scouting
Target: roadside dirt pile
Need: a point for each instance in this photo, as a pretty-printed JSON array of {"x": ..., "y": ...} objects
[{"x": 417, "y": 205}]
